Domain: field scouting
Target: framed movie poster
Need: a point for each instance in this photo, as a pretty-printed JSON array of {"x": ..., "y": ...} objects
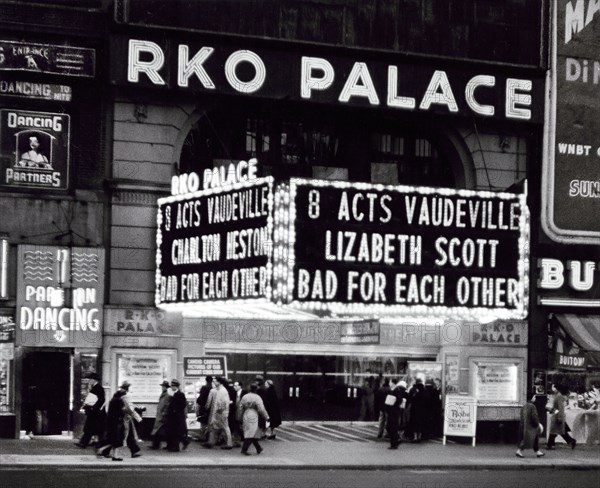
[
  {"x": 34, "y": 149},
  {"x": 145, "y": 370},
  {"x": 497, "y": 380}
]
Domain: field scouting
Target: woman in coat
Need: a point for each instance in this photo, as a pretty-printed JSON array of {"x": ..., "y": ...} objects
[
  {"x": 119, "y": 423},
  {"x": 558, "y": 420},
  {"x": 115, "y": 423},
  {"x": 272, "y": 406},
  {"x": 529, "y": 429},
  {"x": 250, "y": 409}
]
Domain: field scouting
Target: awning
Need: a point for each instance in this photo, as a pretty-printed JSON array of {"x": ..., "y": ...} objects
[{"x": 584, "y": 330}]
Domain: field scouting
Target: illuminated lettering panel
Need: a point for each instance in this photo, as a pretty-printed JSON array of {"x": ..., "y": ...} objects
[
  {"x": 363, "y": 248},
  {"x": 398, "y": 84},
  {"x": 215, "y": 245},
  {"x": 60, "y": 296}
]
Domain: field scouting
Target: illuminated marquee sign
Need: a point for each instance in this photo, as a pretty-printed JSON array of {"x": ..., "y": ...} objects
[
  {"x": 60, "y": 294},
  {"x": 215, "y": 245},
  {"x": 34, "y": 149},
  {"x": 571, "y": 172},
  {"x": 363, "y": 248},
  {"x": 569, "y": 283},
  {"x": 404, "y": 85}
]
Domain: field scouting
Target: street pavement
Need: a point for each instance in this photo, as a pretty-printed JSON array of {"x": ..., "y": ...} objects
[{"x": 305, "y": 446}]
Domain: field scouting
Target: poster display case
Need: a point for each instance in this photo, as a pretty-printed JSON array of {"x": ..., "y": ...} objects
[{"x": 145, "y": 370}]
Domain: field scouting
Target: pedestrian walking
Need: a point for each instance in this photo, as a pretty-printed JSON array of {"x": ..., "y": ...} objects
[
  {"x": 120, "y": 426},
  {"x": 558, "y": 420},
  {"x": 201, "y": 410},
  {"x": 218, "y": 418},
  {"x": 232, "y": 397},
  {"x": 251, "y": 409},
  {"x": 271, "y": 403},
  {"x": 237, "y": 434},
  {"x": 262, "y": 393},
  {"x": 93, "y": 407},
  {"x": 530, "y": 429},
  {"x": 176, "y": 419},
  {"x": 380, "y": 406},
  {"x": 159, "y": 430}
]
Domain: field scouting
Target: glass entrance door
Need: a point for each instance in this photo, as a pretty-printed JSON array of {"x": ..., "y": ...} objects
[{"x": 320, "y": 387}]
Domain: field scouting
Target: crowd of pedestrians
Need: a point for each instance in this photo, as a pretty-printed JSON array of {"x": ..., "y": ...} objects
[
  {"x": 407, "y": 414},
  {"x": 229, "y": 416}
]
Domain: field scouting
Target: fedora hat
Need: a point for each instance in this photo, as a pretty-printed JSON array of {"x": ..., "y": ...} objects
[
  {"x": 175, "y": 382},
  {"x": 125, "y": 385},
  {"x": 165, "y": 383}
]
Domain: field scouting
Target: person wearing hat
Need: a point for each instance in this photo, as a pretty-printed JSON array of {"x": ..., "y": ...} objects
[
  {"x": 271, "y": 402},
  {"x": 119, "y": 423},
  {"x": 218, "y": 418},
  {"x": 159, "y": 430},
  {"x": 94, "y": 409},
  {"x": 394, "y": 402},
  {"x": 201, "y": 410},
  {"x": 176, "y": 419}
]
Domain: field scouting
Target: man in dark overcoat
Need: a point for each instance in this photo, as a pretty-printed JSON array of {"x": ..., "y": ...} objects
[
  {"x": 95, "y": 413},
  {"x": 529, "y": 429},
  {"x": 176, "y": 419}
]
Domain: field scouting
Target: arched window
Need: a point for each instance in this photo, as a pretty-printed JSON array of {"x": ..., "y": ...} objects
[{"x": 318, "y": 143}]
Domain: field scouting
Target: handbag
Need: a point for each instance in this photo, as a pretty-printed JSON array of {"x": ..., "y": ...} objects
[{"x": 391, "y": 400}]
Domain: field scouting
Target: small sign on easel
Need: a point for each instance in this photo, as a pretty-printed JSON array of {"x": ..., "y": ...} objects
[{"x": 460, "y": 417}]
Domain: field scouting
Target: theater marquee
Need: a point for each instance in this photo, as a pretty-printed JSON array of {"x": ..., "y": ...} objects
[
  {"x": 368, "y": 249},
  {"x": 214, "y": 246}
]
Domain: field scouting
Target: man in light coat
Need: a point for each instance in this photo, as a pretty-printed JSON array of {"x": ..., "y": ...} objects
[
  {"x": 131, "y": 418},
  {"x": 218, "y": 418},
  {"x": 159, "y": 431}
]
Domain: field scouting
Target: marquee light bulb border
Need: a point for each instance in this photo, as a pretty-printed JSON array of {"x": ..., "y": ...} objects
[
  {"x": 181, "y": 306},
  {"x": 284, "y": 259},
  {"x": 281, "y": 262}
]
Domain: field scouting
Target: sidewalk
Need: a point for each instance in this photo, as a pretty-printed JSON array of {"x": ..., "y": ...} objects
[{"x": 59, "y": 452}]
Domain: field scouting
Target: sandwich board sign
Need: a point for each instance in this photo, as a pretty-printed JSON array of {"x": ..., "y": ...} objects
[{"x": 460, "y": 417}]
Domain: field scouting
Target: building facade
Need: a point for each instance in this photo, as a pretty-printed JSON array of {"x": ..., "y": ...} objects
[{"x": 412, "y": 94}]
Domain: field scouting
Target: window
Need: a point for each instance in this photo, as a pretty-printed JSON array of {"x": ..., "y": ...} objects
[
  {"x": 407, "y": 159},
  {"x": 316, "y": 143}
]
